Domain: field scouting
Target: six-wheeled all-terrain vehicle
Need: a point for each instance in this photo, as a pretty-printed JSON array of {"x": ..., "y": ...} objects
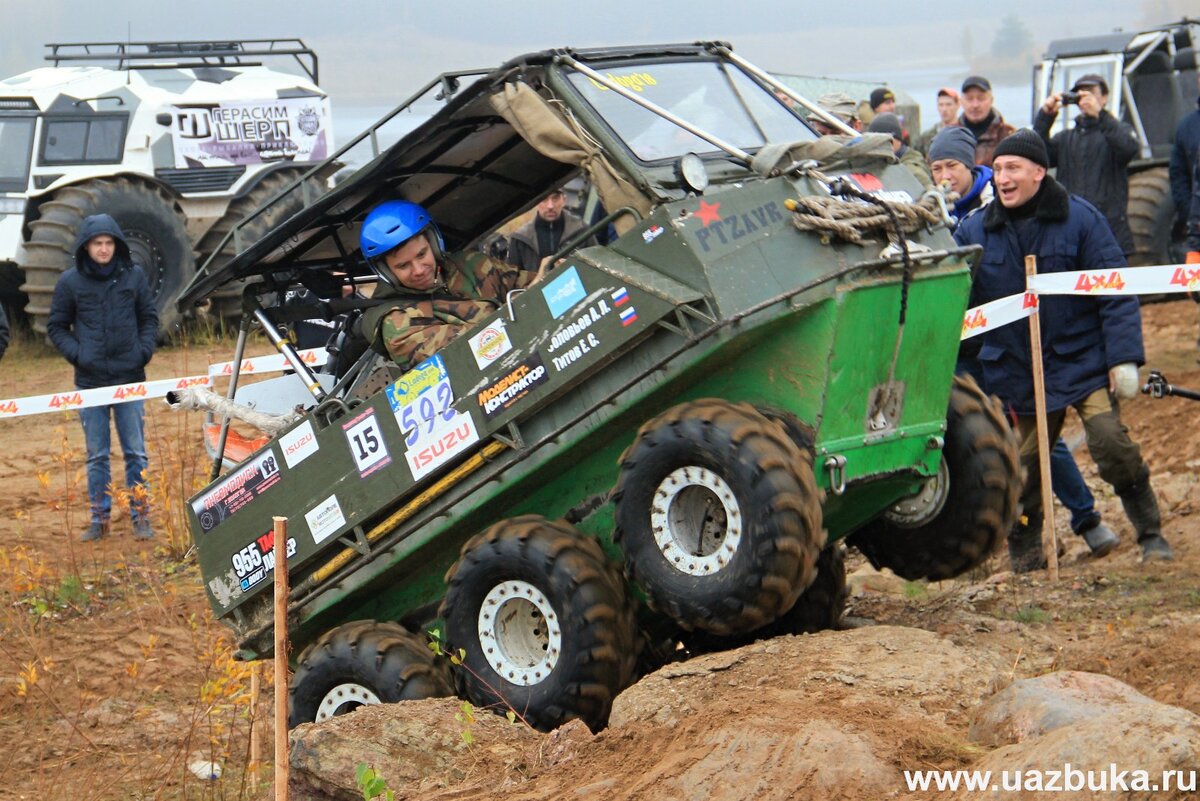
[
  {"x": 657, "y": 448},
  {"x": 176, "y": 140},
  {"x": 1152, "y": 78}
]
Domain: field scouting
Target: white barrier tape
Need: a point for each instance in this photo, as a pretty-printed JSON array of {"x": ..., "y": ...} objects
[
  {"x": 106, "y": 396},
  {"x": 1156, "y": 279},
  {"x": 272, "y": 363},
  {"x": 101, "y": 396},
  {"x": 996, "y": 313}
]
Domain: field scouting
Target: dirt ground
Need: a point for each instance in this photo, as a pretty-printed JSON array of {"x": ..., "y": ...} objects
[{"x": 114, "y": 679}]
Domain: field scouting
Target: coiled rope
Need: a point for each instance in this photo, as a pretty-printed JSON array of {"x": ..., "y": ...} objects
[{"x": 856, "y": 221}]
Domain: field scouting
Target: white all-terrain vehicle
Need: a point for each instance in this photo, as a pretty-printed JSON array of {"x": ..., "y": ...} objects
[{"x": 178, "y": 141}]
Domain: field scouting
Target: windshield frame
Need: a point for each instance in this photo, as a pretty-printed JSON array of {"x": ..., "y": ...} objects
[
  {"x": 566, "y": 83},
  {"x": 20, "y": 183}
]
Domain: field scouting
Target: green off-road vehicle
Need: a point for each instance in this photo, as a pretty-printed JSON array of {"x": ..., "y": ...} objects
[{"x": 657, "y": 448}]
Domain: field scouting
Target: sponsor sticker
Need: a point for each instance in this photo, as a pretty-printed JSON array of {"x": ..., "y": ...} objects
[
  {"x": 490, "y": 344},
  {"x": 443, "y": 441},
  {"x": 366, "y": 443},
  {"x": 564, "y": 292},
  {"x": 509, "y": 388},
  {"x": 255, "y": 562},
  {"x": 408, "y": 387},
  {"x": 298, "y": 444},
  {"x": 240, "y": 488},
  {"x": 325, "y": 519}
]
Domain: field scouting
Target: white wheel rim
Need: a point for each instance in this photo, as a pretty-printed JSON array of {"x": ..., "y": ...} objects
[
  {"x": 923, "y": 505},
  {"x": 345, "y": 698},
  {"x": 520, "y": 633},
  {"x": 696, "y": 520}
]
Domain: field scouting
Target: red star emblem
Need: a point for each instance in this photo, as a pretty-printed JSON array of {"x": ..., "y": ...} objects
[{"x": 709, "y": 213}]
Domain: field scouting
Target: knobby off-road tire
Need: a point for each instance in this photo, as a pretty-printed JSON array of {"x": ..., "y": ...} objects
[
  {"x": 1152, "y": 213},
  {"x": 970, "y": 514},
  {"x": 819, "y": 608},
  {"x": 719, "y": 517},
  {"x": 543, "y": 621},
  {"x": 226, "y": 302},
  {"x": 365, "y": 662},
  {"x": 154, "y": 230},
  {"x": 822, "y": 605}
]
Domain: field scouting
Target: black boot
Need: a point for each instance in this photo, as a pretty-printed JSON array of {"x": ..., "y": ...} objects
[
  {"x": 1025, "y": 547},
  {"x": 1141, "y": 507}
]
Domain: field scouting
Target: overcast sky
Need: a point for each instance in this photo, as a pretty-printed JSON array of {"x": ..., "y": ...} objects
[{"x": 373, "y": 52}]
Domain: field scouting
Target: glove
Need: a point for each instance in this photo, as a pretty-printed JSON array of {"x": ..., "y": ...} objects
[{"x": 1123, "y": 381}]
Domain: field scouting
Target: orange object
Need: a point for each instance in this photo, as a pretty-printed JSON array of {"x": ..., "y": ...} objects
[
  {"x": 237, "y": 447},
  {"x": 1193, "y": 257}
]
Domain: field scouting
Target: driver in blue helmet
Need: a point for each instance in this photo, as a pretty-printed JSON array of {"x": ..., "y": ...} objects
[{"x": 430, "y": 296}]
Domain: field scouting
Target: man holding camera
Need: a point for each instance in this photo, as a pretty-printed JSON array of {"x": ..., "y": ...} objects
[{"x": 1092, "y": 158}]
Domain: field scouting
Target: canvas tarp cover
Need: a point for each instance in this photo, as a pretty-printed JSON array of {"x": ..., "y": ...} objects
[{"x": 562, "y": 139}]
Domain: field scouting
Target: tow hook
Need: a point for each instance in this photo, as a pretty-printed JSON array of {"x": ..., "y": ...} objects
[{"x": 836, "y": 465}]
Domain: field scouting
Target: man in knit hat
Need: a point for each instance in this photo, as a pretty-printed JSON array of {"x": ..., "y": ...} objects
[
  {"x": 1091, "y": 345},
  {"x": 952, "y": 164},
  {"x": 890, "y": 125}
]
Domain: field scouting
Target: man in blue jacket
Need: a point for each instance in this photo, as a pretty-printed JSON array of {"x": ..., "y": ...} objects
[
  {"x": 1091, "y": 346},
  {"x": 103, "y": 320}
]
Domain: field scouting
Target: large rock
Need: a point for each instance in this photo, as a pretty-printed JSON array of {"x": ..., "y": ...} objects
[
  {"x": 413, "y": 745},
  {"x": 1090, "y": 731},
  {"x": 836, "y": 715}
]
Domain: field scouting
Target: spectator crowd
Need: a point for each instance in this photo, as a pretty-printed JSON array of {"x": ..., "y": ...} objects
[{"x": 1060, "y": 196}]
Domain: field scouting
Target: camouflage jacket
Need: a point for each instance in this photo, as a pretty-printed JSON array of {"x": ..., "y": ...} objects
[{"x": 411, "y": 326}]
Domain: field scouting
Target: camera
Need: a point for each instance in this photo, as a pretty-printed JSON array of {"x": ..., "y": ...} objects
[{"x": 1070, "y": 98}]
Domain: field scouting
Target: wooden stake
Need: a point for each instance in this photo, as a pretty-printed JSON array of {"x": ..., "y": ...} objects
[
  {"x": 281, "y": 660},
  {"x": 1049, "y": 535},
  {"x": 255, "y": 729}
]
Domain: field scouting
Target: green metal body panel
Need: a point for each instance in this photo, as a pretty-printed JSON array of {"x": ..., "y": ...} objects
[{"x": 713, "y": 296}]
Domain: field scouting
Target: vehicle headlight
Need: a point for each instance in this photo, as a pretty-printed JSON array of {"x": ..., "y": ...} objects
[{"x": 12, "y": 205}]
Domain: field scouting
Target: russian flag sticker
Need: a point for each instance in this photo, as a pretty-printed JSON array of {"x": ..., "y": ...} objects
[
  {"x": 628, "y": 316},
  {"x": 620, "y": 296}
]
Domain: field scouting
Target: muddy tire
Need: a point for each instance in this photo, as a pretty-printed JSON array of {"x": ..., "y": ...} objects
[
  {"x": 719, "y": 517},
  {"x": 227, "y": 302},
  {"x": 822, "y": 606},
  {"x": 1151, "y": 213},
  {"x": 957, "y": 519},
  {"x": 155, "y": 231},
  {"x": 360, "y": 663},
  {"x": 543, "y": 622}
]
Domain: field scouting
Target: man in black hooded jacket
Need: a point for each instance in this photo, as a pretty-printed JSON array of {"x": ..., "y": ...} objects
[{"x": 103, "y": 321}]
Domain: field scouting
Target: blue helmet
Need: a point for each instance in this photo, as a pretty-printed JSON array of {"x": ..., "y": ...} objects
[{"x": 391, "y": 224}]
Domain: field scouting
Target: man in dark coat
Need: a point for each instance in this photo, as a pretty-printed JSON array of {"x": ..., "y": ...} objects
[
  {"x": 3, "y": 331},
  {"x": 1093, "y": 157},
  {"x": 103, "y": 321},
  {"x": 541, "y": 237},
  {"x": 1091, "y": 346},
  {"x": 1185, "y": 157}
]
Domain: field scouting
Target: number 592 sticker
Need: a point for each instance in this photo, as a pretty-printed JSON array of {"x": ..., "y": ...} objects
[{"x": 366, "y": 443}]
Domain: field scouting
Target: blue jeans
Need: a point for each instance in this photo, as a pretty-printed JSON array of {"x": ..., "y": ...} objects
[
  {"x": 1070, "y": 488},
  {"x": 131, "y": 433}
]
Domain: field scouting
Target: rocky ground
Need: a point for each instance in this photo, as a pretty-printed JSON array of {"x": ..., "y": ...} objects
[{"x": 116, "y": 684}]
